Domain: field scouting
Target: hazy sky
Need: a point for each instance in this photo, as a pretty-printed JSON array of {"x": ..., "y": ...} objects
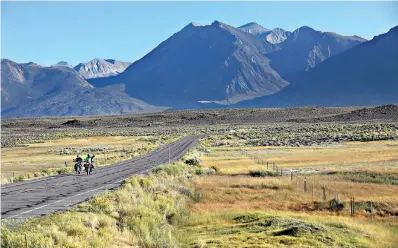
[{"x": 47, "y": 32}]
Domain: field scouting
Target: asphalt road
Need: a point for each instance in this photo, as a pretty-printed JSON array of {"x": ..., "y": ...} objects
[{"x": 44, "y": 196}]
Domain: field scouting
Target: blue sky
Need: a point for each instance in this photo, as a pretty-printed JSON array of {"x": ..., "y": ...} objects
[{"x": 47, "y": 32}]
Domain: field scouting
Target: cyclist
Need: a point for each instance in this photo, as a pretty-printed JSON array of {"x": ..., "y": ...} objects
[
  {"x": 87, "y": 165},
  {"x": 78, "y": 163}
]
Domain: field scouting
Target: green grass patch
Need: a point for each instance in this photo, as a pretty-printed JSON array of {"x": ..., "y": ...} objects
[
  {"x": 367, "y": 177},
  {"x": 256, "y": 229}
]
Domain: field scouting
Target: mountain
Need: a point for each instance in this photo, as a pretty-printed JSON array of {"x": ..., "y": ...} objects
[
  {"x": 305, "y": 48},
  {"x": 96, "y": 101},
  {"x": 211, "y": 63},
  {"x": 274, "y": 36},
  {"x": 277, "y": 35},
  {"x": 361, "y": 76},
  {"x": 29, "y": 90},
  {"x": 101, "y": 68},
  {"x": 21, "y": 83},
  {"x": 254, "y": 28},
  {"x": 63, "y": 63}
]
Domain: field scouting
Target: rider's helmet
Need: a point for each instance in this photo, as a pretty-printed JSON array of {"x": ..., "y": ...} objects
[
  {"x": 88, "y": 155},
  {"x": 78, "y": 156}
]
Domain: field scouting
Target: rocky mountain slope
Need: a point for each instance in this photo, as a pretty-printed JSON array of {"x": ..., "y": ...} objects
[
  {"x": 305, "y": 48},
  {"x": 97, "y": 68},
  {"x": 277, "y": 35},
  {"x": 212, "y": 63},
  {"x": 30, "y": 90},
  {"x": 21, "y": 83},
  {"x": 96, "y": 101},
  {"x": 362, "y": 76},
  {"x": 274, "y": 36}
]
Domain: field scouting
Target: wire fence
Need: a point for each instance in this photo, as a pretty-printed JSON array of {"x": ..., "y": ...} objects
[{"x": 318, "y": 192}]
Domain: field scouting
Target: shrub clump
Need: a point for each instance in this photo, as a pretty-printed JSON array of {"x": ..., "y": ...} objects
[
  {"x": 261, "y": 173},
  {"x": 337, "y": 205}
]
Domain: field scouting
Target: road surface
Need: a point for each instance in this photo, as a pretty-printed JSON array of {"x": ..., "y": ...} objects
[{"x": 44, "y": 196}]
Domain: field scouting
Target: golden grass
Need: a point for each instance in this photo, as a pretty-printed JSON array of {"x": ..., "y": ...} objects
[
  {"x": 142, "y": 213},
  {"x": 220, "y": 229},
  {"x": 234, "y": 192},
  {"x": 39, "y": 156},
  {"x": 220, "y": 192},
  {"x": 378, "y": 156}
]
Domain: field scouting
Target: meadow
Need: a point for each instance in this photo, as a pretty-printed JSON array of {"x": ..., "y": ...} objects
[{"x": 245, "y": 204}]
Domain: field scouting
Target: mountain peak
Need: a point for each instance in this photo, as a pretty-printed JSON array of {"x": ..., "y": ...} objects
[
  {"x": 217, "y": 23},
  {"x": 5, "y": 60},
  {"x": 63, "y": 63},
  {"x": 394, "y": 29},
  {"x": 277, "y": 35},
  {"x": 98, "y": 67},
  {"x": 31, "y": 64},
  {"x": 254, "y": 28},
  {"x": 279, "y": 30},
  {"x": 195, "y": 24},
  {"x": 305, "y": 28}
]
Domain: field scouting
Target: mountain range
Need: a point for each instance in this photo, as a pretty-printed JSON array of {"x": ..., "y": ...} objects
[
  {"x": 212, "y": 63},
  {"x": 30, "y": 90},
  {"x": 97, "y": 68},
  {"x": 214, "y": 66},
  {"x": 362, "y": 76}
]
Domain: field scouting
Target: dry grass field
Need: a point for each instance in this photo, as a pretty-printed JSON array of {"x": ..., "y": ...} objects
[
  {"x": 377, "y": 155},
  {"x": 367, "y": 171}
]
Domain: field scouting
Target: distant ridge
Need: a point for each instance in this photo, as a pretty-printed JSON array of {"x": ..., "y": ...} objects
[{"x": 97, "y": 68}]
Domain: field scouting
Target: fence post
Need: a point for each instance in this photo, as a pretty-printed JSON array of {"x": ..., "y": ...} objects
[
  {"x": 312, "y": 191},
  {"x": 26, "y": 240},
  {"x": 324, "y": 192},
  {"x": 371, "y": 212},
  {"x": 281, "y": 172},
  {"x": 350, "y": 206},
  {"x": 353, "y": 206},
  {"x": 305, "y": 184},
  {"x": 291, "y": 175}
]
